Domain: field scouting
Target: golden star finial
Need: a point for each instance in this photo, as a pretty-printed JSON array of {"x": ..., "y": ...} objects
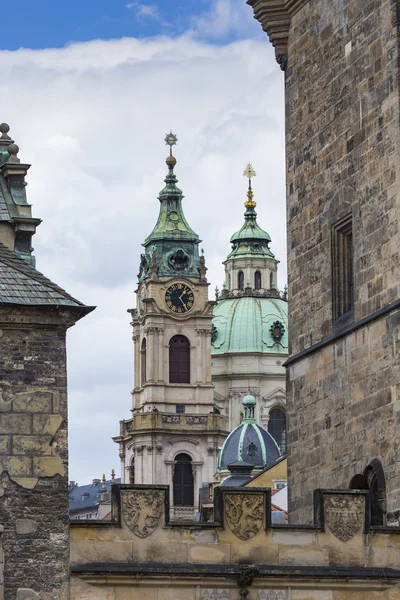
[{"x": 249, "y": 172}]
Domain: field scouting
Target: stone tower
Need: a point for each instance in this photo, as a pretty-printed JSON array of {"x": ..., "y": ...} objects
[
  {"x": 174, "y": 434},
  {"x": 250, "y": 340},
  {"x": 34, "y": 317},
  {"x": 341, "y": 63}
]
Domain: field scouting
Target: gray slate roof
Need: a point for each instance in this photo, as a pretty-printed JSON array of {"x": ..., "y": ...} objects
[
  {"x": 87, "y": 496},
  {"x": 21, "y": 284}
]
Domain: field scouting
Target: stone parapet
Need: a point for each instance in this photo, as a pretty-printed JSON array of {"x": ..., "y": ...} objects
[{"x": 143, "y": 549}]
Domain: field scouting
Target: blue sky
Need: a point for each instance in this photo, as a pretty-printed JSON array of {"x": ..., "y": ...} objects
[{"x": 55, "y": 23}]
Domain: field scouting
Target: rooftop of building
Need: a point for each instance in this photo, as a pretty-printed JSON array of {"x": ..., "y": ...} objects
[{"x": 86, "y": 497}]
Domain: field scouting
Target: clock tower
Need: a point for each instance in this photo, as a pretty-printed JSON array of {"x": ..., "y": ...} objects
[{"x": 175, "y": 431}]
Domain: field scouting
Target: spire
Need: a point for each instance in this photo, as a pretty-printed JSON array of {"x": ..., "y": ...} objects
[
  {"x": 250, "y": 239},
  {"x": 14, "y": 207},
  {"x": 172, "y": 246}
]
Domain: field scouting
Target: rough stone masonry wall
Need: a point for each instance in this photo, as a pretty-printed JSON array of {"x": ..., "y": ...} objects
[
  {"x": 342, "y": 128},
  {"x": 33, "y": 462}
]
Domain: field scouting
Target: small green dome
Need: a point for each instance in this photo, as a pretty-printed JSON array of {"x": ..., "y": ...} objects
[
  {"x": 250, "y": 240},
  {"x": 249, "y": 400},
  {"x": 250, "y": 229},
  {"x": 250, "y": 324}
]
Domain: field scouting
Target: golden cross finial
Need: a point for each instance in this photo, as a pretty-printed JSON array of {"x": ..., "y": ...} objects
[{"x": 249, "y": 172}]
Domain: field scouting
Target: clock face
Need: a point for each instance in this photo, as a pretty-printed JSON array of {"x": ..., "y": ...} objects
[{"x": 179, "y": 298}]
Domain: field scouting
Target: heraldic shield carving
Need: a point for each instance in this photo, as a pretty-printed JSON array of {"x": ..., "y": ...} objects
[
  {"x": 141, "y": 510},
  {"x": 244, "y": 514},
  {"x": 344, "y": 515}
]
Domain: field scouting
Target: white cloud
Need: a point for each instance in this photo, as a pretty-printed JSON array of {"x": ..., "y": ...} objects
[
  {"x": 146, "y": 11},
  {"x": 91, "y": 118},
  {"x": 224, "y": 18}
]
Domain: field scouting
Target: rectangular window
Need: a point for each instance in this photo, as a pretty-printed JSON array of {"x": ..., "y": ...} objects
[
  {"x": 180, "y": 409},
  {"x": 342, "y": 268}
]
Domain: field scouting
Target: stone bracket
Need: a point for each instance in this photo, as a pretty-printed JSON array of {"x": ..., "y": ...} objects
[{"x": 275, "y": 19}]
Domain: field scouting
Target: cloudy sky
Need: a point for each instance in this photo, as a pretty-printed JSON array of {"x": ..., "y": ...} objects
[{"x": 90, "y": 88}]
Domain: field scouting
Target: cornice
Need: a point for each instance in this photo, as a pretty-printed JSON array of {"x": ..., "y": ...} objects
[{"x": 275, "y": 17}]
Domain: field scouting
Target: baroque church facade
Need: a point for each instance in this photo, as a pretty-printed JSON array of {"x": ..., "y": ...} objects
[
  {"x": 175, "y": 432},
  {"x": 195, "y": 359}
]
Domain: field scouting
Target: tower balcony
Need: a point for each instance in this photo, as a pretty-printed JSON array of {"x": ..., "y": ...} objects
[{"x": 162, "y": 421}]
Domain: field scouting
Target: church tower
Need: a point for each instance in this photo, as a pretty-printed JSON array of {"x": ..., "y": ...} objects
[
  {"x": 250, "y": 329},
  {"x": 174, "y": 433}
]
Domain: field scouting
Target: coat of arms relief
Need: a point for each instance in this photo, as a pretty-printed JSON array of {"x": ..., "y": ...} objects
[
  {"x": 244, "y": 514},
  {"x": 344, "y": 515},
  {"x": 141, "y": 510}
]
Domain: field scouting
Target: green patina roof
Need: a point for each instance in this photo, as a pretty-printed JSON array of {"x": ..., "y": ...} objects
[
  {"x": 171, "y": 223},
  {"x": 244, "y": 325},
  {"x": 173, "y": 246},
  {"x": 250, "y": 240}
]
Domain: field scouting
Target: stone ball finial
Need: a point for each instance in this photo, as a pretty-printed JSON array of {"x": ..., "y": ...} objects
[
  {"x": 4, "y": 129},
  {"x": 13, "y": 150},
  {"x": 171, "y": 161},
  {"x": 249, "y": 399}
]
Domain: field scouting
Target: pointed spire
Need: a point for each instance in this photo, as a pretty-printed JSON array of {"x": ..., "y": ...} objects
[
  {"x": 172, "y": 246},
  {"x": 250, "y": 232}
]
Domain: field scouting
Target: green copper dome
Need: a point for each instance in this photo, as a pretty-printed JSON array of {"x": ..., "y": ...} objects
[
  {"x": 249, "y": 443},
  {"x": 250, "y": 324}
]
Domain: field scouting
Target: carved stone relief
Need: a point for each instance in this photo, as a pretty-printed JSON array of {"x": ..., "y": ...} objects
[
  {"x": 141, "y": 510},
  {"x": 244, "y": 514},
  {"x": 214, "y": 594},
  {"x": 344, "y": 515},
  {"x": 272, "y": 595}
]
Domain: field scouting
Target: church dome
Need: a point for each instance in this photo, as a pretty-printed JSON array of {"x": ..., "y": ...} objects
[
  {"x": 250, "y": 324},
  {"x": 248, "y": 443}
]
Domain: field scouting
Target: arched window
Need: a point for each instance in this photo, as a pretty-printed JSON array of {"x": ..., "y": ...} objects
[
  {"x": 143, "y": 362},
  {"x": 277, "y": 427},
  {"x": 179, "y": 359},
  {"x": 228, "y": 281},
  {"x": 373, "y": 479},
  {"x": 240, "y": 280},
  {"x": 257, "y": 280},
  {"x": 183, "y": 481},
  {"x": 271, "y": 280}
]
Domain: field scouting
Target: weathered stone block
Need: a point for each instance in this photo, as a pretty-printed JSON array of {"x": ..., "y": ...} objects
[
  {"x": 48, "y": 466},
  {"x": 209, "y": 553},
  {"x": 27, "y": 594},
  {"x": 35, "y": 445},
  {"x": 46, "y": 424},
  {"x": 25, "y": 526},
  {"x": 35, "y": 402},
  {"x": 5, "y": 444},
  {"x": 10, "y": 423}
]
